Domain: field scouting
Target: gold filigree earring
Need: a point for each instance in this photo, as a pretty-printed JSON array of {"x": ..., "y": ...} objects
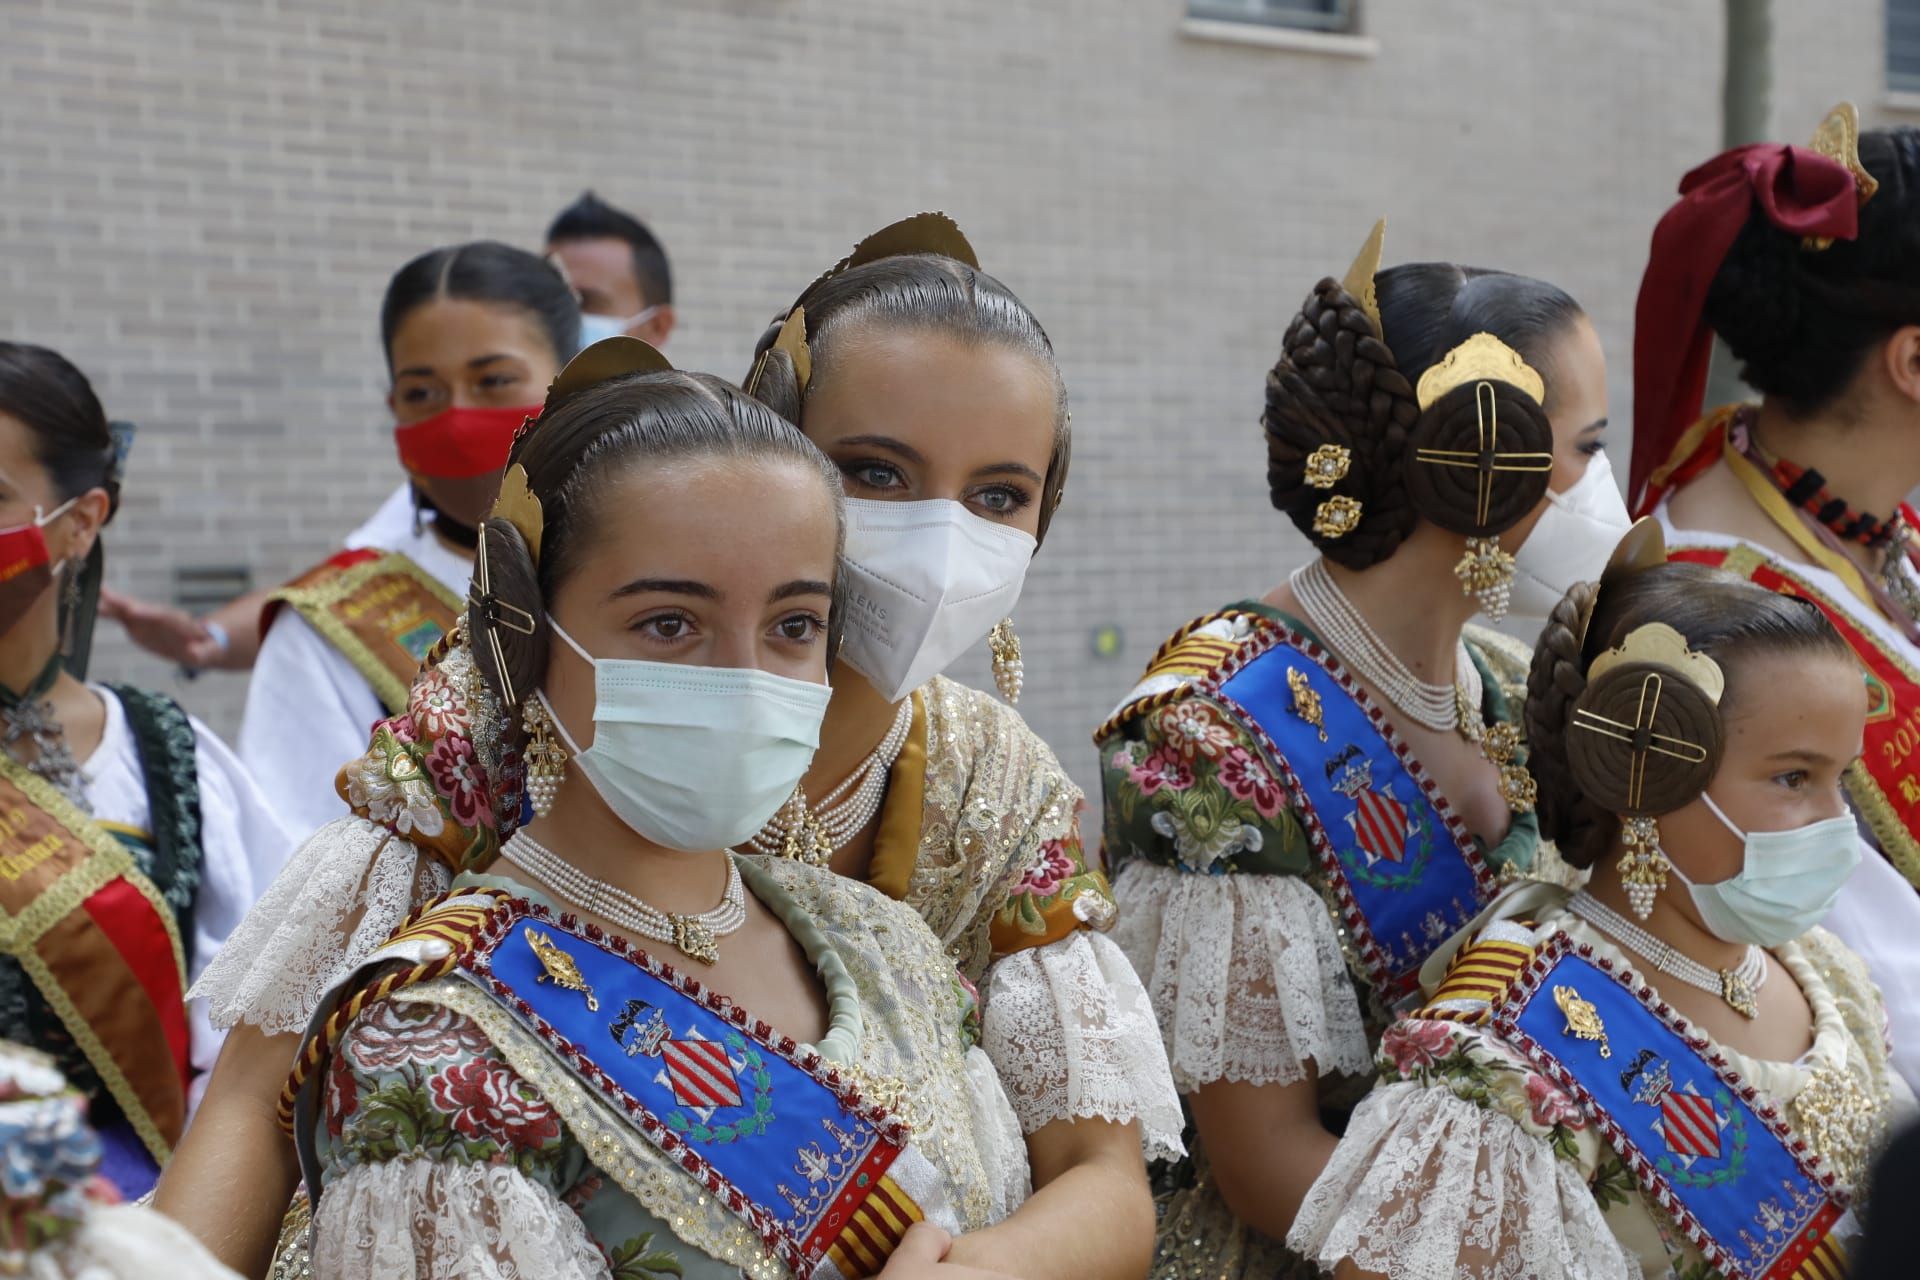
[
  {"x": 1009, "y": 673},
  {"x": 546, "y": 758},
  {"x": 1644, "y": 865},
  {"x": 1486, "y": 573}
]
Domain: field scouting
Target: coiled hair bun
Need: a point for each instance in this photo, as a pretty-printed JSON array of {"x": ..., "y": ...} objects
[{"x": 1448, "y": 442}]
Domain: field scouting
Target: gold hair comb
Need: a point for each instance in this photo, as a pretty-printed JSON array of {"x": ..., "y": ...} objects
[
  {"x": 1838, "y": 139},
  {"x": 519, "y": 508},
  {"x": 1481, "y": 358},
  {"x": 1660, "y": 645},
  {"x": 1359, "y": 277}
]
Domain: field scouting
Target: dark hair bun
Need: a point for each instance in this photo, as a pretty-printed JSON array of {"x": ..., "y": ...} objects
[
  {"x": 503, "y": 607},
  {"x": 1625, "y": 769},
  {"x": 1446, "y": 488},
  {"x": 1337, "y": 384}
]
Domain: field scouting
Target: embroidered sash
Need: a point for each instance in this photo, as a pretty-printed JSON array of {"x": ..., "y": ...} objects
[
  {"x": 102, "y": 948},
  {"x": 1885, "y": 782},
  {"x": 782, "y": 1138},
  {"x": 382, "y": 611},
  {"x": 1404, "y": 870},
  {"x": 1710, "y": 1151}
]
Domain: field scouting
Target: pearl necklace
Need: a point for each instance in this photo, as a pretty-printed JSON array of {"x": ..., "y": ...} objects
[
  {"x": 844, "y": 812},
  {"x": 1442, "y": 708},
  {"x": 1739, "y": 987},
  {"x": 696, "y": 936}
]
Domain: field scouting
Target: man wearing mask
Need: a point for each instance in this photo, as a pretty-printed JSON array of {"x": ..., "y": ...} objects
[{"x": 619, "y": 269}]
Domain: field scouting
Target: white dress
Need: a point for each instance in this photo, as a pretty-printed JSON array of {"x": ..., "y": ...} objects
[
  {"x": 309, "y": 710},
  {"x": 243, "y": 843},
  {"x": 1878, "y": 914},
  {"x": 389, "y": 525}
]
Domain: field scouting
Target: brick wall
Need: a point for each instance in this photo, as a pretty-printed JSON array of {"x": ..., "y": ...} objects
[{"x": 201, "y": 200}]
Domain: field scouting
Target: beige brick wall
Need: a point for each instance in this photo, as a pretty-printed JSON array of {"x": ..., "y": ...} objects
[{"x": 201, "y": 200}]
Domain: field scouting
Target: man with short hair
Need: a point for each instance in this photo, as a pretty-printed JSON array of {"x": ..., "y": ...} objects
[{"x": 617, "y": 266}]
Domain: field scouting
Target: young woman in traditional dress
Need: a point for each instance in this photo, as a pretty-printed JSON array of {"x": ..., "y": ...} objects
[
  {"x": 1806, "y": 262},
  {"x": 573, "y": 1030},
  {"x": 1337, "y": 743},
  {"x": 1671, "y": 1072},
  {"x": 132, "y": 840},
  {"x": 935, "y": 392},
  {"x": 473, "y": 333}
]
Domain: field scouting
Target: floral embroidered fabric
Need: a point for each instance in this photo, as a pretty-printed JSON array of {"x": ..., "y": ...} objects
[{"x": 1444, "y": 1168}]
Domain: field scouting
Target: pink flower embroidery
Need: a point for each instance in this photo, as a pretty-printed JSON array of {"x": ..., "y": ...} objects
[
  {"x": 1551, "y": 1105},
  {"x": 1044, "y": 878},
  {"x": 1245, "y": 778},
  {"x": 456, "y": 775},
  {"x": 437, "y": 706},
  {"x": 487, "y": 1100},
  {"x": 1416, "y": 1045},
  {"x": 1193, "y": 729},
  {"x": 1164, "y": 768},
  {"x": 390, "y": 1035}
]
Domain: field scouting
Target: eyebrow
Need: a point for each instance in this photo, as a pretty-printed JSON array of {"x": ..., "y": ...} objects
[
  {"x": 1802, "y": 756},
  {"x": 1020, "y": 469},
  {"x": 800, "y": 587},
  {"x": 1599, "y": 424},
  {"x": 427, "y": 371},
  {"x": 888, "y": 443},
  {"x": 666, "y": 586}
]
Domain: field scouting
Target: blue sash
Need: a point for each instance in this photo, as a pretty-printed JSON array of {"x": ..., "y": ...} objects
[
  {"x": 773, "y": 1133},
  {"x": 1707, "y": 1149},
  {"x": 1405, "y": 872}
]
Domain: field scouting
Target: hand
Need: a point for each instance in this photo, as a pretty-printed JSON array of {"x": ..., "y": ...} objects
[
  {"x": 920, "y": 1257},
  {"x": 164, "y": 631}
]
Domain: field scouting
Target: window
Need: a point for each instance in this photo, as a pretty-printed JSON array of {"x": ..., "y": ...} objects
[
  {"x": 1903, "y": 46},
  {"x": 1337, "y": 15}
]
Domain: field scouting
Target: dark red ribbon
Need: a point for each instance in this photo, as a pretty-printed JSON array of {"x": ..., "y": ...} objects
[{"x": 1801, "y": 192}]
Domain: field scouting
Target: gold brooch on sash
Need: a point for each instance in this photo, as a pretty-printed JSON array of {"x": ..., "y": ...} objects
[
  {"x": 1583, "y": 1020},
  {"x": 559, "y": 966},
  {"x": 1306, "y": 703}
]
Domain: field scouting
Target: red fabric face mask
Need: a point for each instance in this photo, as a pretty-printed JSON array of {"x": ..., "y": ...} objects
[
  {"x": 26, "y": 567},
  {"x": 459, "y": 443}
]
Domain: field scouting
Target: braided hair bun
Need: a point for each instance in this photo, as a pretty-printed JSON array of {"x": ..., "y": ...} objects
[
  {"x": 1337, "y": 389},
  {"x": 1456, "y": 428}
]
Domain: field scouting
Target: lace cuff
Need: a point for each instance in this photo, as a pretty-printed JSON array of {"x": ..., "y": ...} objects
[
  {"x": 420, "y": 1220},
  {"x": 333, "y": 904},
  {"x": 1003, "y": 1149},
  {"x": 1245, "y": 975},
  {"x": 123, "y": 1242},
  {"x": 1071, "y": 1032},
  {"x": 1427, "y": 1186}
]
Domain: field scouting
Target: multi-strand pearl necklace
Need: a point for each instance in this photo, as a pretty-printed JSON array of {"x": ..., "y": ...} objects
[
  {"x": 696, "y": 936},
  {"x": 1442, "y": 708},
  {"x": 1739, "y": 986},
  {"x": 845, "y": 811}
]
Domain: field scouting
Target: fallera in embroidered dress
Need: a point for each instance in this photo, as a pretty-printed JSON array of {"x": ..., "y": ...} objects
[
  {"x": 513, "y": 1163},
  {"x": 1469, "y": 1161},
  {"x": 1226, "y": 910}
]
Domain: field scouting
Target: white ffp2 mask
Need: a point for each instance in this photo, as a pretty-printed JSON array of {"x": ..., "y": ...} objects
[
  {"x": 1572, "y": 541},
  {"x": 925, "y": 582}
]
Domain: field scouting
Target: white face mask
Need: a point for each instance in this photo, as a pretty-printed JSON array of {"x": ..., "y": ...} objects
[
  {"x": 1571, "y": 543},
  {"x": 925, "y": 581},
  {"x": 1787, "y": 885},
  {"x": 594, "y": 328},
  {"x": 695, "y": 758}
]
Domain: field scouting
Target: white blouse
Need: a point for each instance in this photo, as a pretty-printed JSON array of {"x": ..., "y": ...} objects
[
  {"x": 244, "y": 845},
  {"x": 309, "y": 710}
]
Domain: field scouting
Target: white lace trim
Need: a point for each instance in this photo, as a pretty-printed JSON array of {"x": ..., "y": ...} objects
[
  {"x": 1427, "y": 1186},
  {"x": 1245, "y": 974},
  {"x": 1003, "y": 1148},
  {"x": 417, "y": 1219},
  {"x": 336, "y": 900},
  {"x": 1072, "y": 1034}
]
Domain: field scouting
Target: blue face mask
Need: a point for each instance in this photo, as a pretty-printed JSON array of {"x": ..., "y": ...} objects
[
  {"x": 594, "y": 328},
  {"x": 1786, "y": 886}
]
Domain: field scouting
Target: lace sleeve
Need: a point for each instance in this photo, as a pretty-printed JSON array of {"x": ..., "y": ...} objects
[
  {"x": 1429, "y": 1186},
  {"x": 1003, "y": 1148},
  {"x": 417, "y": 1219},
  {"x": 1245, "y": 975},
  {"x": 1071, "y": 1032},
  {"x": 337, "y": 900}
]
